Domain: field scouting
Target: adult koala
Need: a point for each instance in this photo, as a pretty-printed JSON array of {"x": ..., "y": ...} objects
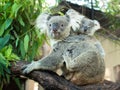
[{"x": 79, "y": 59}]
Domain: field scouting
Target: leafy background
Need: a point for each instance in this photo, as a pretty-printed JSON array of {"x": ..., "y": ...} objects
[{"x": 20, "y": 40}]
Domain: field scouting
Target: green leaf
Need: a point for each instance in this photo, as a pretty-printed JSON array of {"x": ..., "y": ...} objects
[
  {"x": 15, "y": 9},
  {"x": 34, "y": 50},
  {"x": 4, "y": 40},
  {"x": 21, "y": 21},
  {"x": 13, "y": 57},
  {"x": 22, "y": 50},
  {"x": 2, "y": 28},
  {"x": 1, "y": 69},
  {"x": 7, "y": 5},
  {"x": 8, "y": 77},
  {"x": 8, "y": 51},
  {"x": 5, "y": 25},
  {"x": 17, "y": 41},
  {"x": 17, "y": 80},
  {"x": 8, "y": 23},
  {"x": 8, "y": 54},
  {"x": 2, "y": 59},
  {"x": 26, "y": 42}
]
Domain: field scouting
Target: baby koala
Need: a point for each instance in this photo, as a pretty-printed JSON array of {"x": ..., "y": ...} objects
[
  {"x": 83, "y": 25},
  {"x": 89, "y": 27}
]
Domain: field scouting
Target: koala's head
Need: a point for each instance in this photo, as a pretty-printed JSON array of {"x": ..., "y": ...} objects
[
  {"x": 58, "y": 27},
  {"x": 89, "y": 26}
]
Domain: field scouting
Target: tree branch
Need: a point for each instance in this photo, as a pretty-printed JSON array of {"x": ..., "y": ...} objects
[{"x": 51, "y": 81}]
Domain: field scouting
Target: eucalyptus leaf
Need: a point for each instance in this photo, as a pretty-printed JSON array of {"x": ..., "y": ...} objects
[
  {"x": 16, "y": 33},
  {"x": 2, "y": 60},
  {"x": 17, "y": 80},
  {"x": 21, "y": 21},
  {"x": 15, "y": 8},
  {"x": 2, "y": 28},
  {"x": 1, "y": 69},
  {"x": 5, "y": 25},
  {"x": 13, "y": 57},
  {"x": 22, "y": 50},
  {"x": 34, "y": 50},
  {"x": 26, "y": 42},
  {"x": 7, "y": 5},
  {"x": 16, "y": 42},
  {"x": 8, "y": 52},
  {"x": 8, "y": 22},
  {"x": 4, "y": 40}
]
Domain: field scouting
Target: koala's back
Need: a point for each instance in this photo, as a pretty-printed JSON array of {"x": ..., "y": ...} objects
[{"x": 88, "y": 66}]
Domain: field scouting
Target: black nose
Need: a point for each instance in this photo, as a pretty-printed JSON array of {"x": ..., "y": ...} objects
[
  {"x": 54, "y": 30},
  {"x": 55, "y": 27}
]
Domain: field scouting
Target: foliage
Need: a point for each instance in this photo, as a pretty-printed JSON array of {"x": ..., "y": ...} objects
[
  {"x": 113, "y": 9},
  {"x": 19, "y": 38}
]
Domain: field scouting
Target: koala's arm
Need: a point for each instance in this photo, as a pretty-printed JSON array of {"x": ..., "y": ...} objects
[
  {"x": 51, "y": 62},
  {"x": 100, "y": 49}
]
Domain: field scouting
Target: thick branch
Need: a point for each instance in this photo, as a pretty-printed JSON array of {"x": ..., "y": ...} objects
[{"x": 51, "y": 81}]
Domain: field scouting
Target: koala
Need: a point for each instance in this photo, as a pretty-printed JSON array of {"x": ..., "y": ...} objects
[
  {"x": 78, "y": 58},
  {"x": 57, "y": 29},
  {"x": 89, "y": 27},
  {"x": 82, "y": 24},
  {"x": 86, "y": 26}
]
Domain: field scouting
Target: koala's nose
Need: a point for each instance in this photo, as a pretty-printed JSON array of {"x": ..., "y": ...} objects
[
  {"x": 55, "y": 27},
  {"x": 54, "y": 30}
]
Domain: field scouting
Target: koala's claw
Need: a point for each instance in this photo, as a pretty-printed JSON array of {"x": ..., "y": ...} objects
[
  {"x": 23, "y": 67},
  {"x": 27, "y": 69},
  {"x": 30, "y": 67}
]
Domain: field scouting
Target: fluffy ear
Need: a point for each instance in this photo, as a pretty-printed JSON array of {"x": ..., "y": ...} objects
[
  {"x": 75, "y": 19},
  {"x": 41, "y": 22},
  {"x": 96, "y": 25}
]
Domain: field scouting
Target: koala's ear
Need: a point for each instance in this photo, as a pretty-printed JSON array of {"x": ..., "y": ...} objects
[
  {"x": 75, "y": 19},
  {"x": 96, "y": 24},
  {"x": 49, "y": 17},
  {"x": 41, "y": 22}
]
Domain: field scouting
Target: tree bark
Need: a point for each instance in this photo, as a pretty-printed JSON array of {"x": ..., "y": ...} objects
[{"x": 51, "y": 81}]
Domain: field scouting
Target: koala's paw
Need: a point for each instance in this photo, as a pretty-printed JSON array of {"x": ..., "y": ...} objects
[{"x": 28, "y": 68}]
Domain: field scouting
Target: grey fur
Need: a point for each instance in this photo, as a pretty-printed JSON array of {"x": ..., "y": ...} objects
[
  {"x": 76, "y": 55},
  {"x": 86, "y": 26}
]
